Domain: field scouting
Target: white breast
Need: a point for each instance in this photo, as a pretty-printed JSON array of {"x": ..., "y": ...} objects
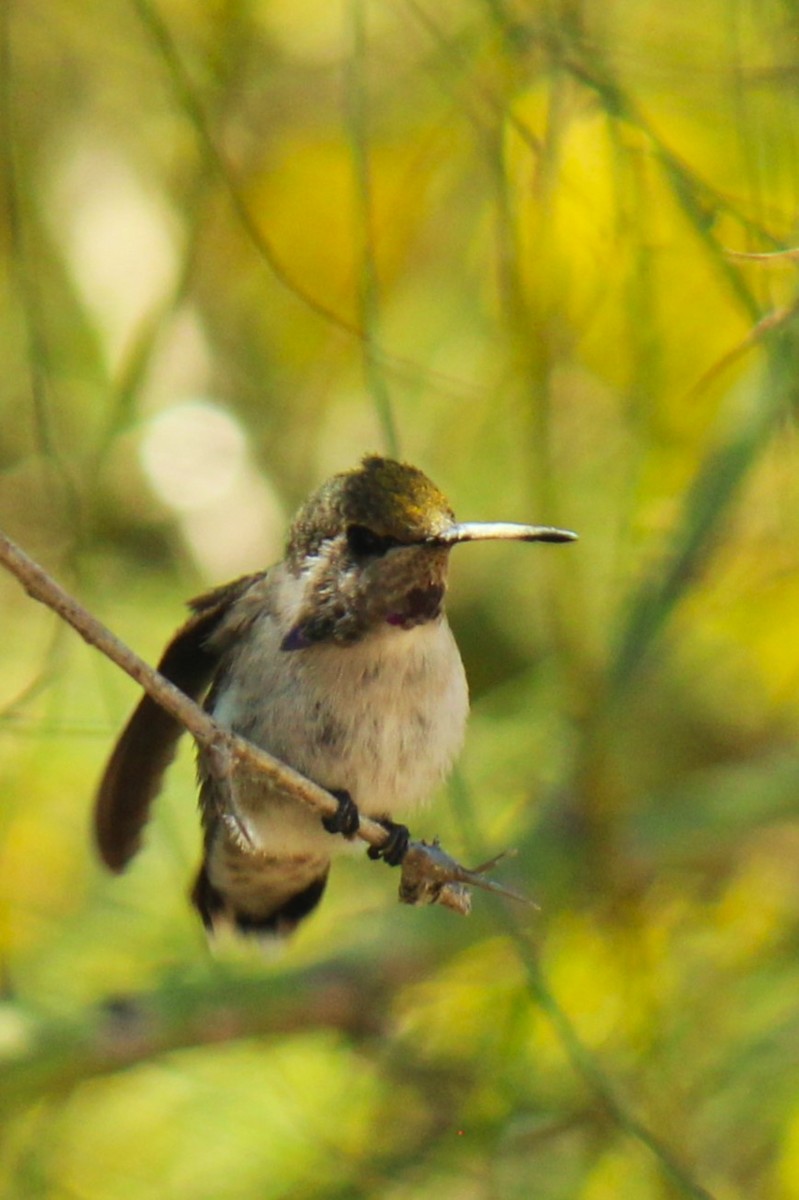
[{"x": 382, "y": 719}]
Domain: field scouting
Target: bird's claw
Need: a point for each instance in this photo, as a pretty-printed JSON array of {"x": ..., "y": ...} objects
[
  {"x": 346, "y": 819},
  {"x": 395, "y": 846}
]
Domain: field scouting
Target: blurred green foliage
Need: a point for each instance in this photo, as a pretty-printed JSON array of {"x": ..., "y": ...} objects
[{"x": 243, "y": 243}]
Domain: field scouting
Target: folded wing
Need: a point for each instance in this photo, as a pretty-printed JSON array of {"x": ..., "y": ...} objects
[{"x": 147, "y": 744}]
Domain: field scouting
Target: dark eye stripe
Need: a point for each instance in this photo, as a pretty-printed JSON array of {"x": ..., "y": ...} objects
[{"x": 365, "y": 543}]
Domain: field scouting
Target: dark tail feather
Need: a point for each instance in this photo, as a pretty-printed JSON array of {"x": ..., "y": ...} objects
[{"x": 147, "y": 746}]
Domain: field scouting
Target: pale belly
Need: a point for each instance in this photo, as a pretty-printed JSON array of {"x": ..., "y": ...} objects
[{"x": 382, "y": 720}]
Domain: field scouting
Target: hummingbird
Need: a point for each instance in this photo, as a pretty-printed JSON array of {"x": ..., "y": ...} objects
[{"x": 339, "y": 661}]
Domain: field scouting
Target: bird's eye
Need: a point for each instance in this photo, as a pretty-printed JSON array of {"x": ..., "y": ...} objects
[{"x": 365, "y": 543}]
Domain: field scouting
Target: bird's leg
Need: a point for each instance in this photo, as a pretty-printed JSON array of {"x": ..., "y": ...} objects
[{"x": 221, "y": 768}]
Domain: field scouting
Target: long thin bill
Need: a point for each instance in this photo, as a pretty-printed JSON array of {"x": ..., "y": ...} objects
[{"x": 484, "y": 531}]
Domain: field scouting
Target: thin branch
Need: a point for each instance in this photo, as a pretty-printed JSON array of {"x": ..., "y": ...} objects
[
  {"x": 222, "y": 169},
  {"x": 22, "y": 268},
  {"x": 55, "y": 1054},
  {"x": 369, "y": 291},
  {"x": 431, "y": 876},
  {"x": 589, "y": 1069},
  {"x": 767, "y": 324},
  {"x": 768, "y": 256}
]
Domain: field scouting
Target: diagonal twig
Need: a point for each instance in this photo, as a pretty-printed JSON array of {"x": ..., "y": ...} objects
[{"x": 431, "y": 876}]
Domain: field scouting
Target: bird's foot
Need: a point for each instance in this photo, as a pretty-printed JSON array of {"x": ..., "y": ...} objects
[
  {"x": 346, "y": 819},
  {"x": 395, "y": 847}
]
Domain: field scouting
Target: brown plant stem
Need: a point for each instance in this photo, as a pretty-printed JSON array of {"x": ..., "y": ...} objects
[{"x": 431, "y": 876}]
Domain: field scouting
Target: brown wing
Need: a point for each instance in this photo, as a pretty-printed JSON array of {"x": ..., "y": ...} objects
[{"x": 147, "y": 744}]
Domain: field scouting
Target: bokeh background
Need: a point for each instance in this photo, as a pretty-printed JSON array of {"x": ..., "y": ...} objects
[{"x": 245, "y": 241}]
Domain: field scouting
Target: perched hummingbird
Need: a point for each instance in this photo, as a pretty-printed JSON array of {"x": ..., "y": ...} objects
[{"x": 339, "y": 661}]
